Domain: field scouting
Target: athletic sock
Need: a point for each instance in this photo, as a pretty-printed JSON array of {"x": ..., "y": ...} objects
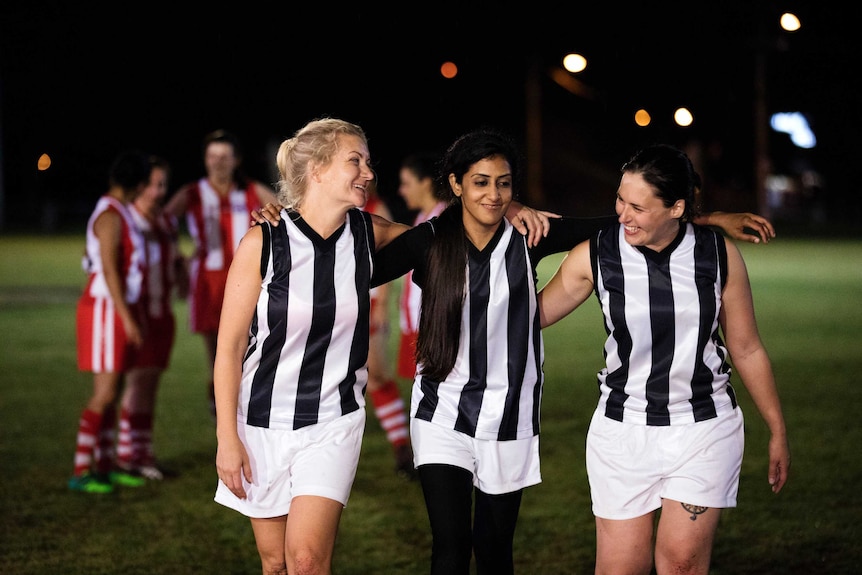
[
  {"x": 105, "y": 452},
  {"x": 390, "y": 412},
  {"x": 134, "y": 445},
  {"x": 88, "y": 427},
  {"x": 125, "y": 450},
  {"x": 142, "y": 438}
]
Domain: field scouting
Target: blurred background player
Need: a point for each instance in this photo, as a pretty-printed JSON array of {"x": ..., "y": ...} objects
[
  {"x": 108, "y": 321},
  {"x": 164, "y": 273},
  {"x": 216, "y": 208},
  {"x": 420, "y": 189},
  {"x": 385, "y": 396}
]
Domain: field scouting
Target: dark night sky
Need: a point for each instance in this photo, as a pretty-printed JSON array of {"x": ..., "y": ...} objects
[{"x": 81, "y": 83}]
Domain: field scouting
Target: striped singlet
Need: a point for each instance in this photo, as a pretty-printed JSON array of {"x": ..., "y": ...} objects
[
  {"x": 666, "y": 363},
  {"x": 308, "y": 341}
]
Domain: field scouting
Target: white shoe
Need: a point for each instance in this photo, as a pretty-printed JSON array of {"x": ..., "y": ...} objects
[{"x": 151, "y": 472}]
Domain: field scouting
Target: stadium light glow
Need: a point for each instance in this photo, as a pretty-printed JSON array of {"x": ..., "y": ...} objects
[{"x": 794, "y": 124}]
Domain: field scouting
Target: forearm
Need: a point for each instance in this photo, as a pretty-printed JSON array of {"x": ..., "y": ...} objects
[
  {"x": 118, "y": 295},
  {"x": 227, "y": 374},
  {"x": 741, "y": 226},
  {"x": 755, "y": 370},
  {"x": 402, "y": 254},
  {"x": 569, "y": 287}
]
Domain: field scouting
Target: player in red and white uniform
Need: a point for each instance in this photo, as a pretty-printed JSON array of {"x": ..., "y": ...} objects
[
  {"x": 108, "y": 320},
  {"x": 164, "y": 273},
  {"x": 216, "y": 210}
]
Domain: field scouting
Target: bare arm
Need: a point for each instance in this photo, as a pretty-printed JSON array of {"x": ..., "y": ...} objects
[
  {"x": 240, "y": 299},
  {"x": 108, "y": 228},
  {"x": 178, "y": 203},
  {"x": 734, "y": 225},
  {"x": 750, "y": 360},
  {"x": 569, "y": 287},
  {"x": 176, "y": 208},
  {"x": 527, "y": 221}
]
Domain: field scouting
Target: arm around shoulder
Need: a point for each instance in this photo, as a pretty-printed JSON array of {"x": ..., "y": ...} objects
[{"x": 385, "y": 230}]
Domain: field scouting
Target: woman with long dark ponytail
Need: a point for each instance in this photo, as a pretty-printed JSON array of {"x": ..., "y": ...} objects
[{"x": 477, "y": 391}]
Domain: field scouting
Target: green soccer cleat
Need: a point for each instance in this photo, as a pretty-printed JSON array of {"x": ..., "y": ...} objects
[
  {"x": 127, "y": 478},
  {"x": 89, "y": 483}
]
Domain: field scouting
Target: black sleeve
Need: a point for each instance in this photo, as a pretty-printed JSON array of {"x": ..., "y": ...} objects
[
  {"x": 404, "y": 253},
  {"x": 566, "y": 233}
]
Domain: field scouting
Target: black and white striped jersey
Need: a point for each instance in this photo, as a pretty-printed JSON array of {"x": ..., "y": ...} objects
[
  {"x": 308, "y": 341},
  {"x": 665, "y": 360},
  {"x": 494, "y": 391}
]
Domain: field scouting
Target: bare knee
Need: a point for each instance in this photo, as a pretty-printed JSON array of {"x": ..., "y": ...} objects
[
  {"x": 688, "y": 566},
  {"x": 308, "y": 562},
  {"x": 682, "y": 561},
  {"x": 272, "y": 564},
  {"x": 684, "y": 539},
  {"x": 275, "y": 568}
]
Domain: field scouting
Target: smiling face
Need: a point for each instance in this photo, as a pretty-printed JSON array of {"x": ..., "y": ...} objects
[
  {"x": 648, "y": 222},
  {"x": 345, "y": 180},
  {"x": 486, "y": 190}
]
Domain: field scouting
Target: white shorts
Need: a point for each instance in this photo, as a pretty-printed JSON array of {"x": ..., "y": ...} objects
[
  {"x": 631, "y": 468},
  {"x": 315, "y": 460},
  {"x": 497, "y": 466}
]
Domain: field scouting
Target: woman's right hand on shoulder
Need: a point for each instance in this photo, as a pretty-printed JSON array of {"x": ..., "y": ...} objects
[{"x": 269, "y": 213}]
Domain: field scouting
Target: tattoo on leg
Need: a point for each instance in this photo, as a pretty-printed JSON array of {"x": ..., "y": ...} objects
[{"x": 695, "y": 510}]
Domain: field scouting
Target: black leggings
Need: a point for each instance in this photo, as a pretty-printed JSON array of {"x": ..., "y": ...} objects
[{"x": 448, "y": 494}]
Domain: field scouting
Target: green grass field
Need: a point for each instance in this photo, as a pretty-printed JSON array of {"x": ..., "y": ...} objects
[{"x": 807, "y": 295}]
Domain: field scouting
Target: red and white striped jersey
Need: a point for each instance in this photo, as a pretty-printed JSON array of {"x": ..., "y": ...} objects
[
  {"x": 217, "y": 223},
  {"x": 160, "y": 239},
  {"x": 131, "y": 253}
]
